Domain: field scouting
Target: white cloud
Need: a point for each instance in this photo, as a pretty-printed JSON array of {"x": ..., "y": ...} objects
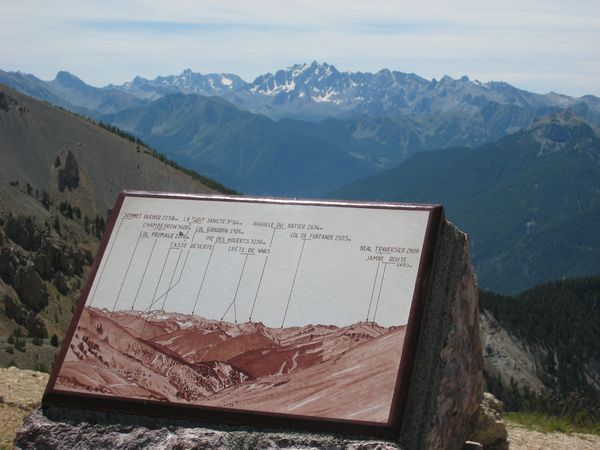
[{"x": 537, "y": 45}]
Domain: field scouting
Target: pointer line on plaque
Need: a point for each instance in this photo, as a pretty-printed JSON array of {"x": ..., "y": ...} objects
[
  {"x": 144, "y": 274},
  {"x": 166, "y": 294},
  {"x": 293, "y": 282},
  {"x": 112, "y": 244},
  {"x": 180, "y": 273},
  {"x": 258, "y": 288},
  {"x": 149, "y": 308},
  {"x": 273, "y": 235},
  {"x": 379, "y": 293},
  {"x": 204, "y": 276},
  {"x": 236, "y": 293},
  {"x": 154, "y": 300},
  {"x": 262, "y": 274},
  {"x": 126, "y": 272},
  {"x": 186, "y": 258},
  {"x": 373, "y": 291}
]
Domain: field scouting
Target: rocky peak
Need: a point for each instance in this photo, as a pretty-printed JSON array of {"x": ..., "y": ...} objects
[
  {"x": 321, "y": 82},
  {"x": 556, "y": 131},
  {"x": 567, "y": 118},
  {"x": 188, "y": 82},
  {"x": 69, "y": 80}
]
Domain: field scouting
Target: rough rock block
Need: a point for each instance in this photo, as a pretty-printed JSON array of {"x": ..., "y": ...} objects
[{"x": 490, "y": 429}]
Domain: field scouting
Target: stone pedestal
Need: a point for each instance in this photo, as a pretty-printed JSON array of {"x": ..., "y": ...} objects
[
  {"x": 443, "y": 399},
  {"x": 447, "y": 385}
]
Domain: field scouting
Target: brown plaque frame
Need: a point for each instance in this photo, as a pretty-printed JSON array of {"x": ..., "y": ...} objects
[{"x": 391, "y": 429}]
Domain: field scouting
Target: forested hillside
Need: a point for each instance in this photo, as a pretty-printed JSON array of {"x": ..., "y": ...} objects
[{"x": 558, "y": 325}]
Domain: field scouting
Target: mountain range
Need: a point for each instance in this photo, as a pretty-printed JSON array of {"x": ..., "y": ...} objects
[
  {"x": 508, "y": 164},
  {"x": 308, "y": 91},
  {"x": 258, "y": 155},
  {"x": 529, "y": 201},
  {"x": 306, "y": 130},
  {"x": 247, "y": 151}
]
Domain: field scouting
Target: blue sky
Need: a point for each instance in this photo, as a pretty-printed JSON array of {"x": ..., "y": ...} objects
[{"x": 540, "y": 46}]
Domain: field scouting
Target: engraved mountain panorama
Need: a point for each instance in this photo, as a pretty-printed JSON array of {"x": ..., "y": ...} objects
[{"x": 180, "y": 358}]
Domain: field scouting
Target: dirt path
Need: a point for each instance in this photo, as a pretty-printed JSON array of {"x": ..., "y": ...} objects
[
  {"x": 522, "y": 439},
  {"x": 20, "y": 393}
]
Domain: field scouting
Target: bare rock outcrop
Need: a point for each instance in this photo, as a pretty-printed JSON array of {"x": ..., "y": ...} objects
[
  {"x": 56, "y": 257},
  {"x": 6, "y": 101},
  {"x": 30, "y": 287},
  {"x": 34, "y": 243},
  {"x": 490, "y": 429},
  {"x": 25, "y": 231},
  {"x": 15, "y": 310},
  {"x": 32, "y": 259},
  {"x": 68, "y": 177}
]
